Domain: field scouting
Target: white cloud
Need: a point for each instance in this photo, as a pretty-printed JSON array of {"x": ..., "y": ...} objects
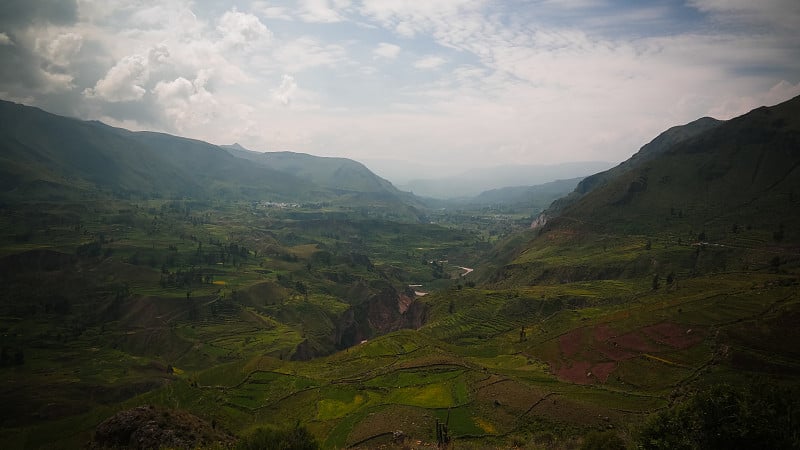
[
  {"x": 159, "y": 54},
  {"x": 409, "y": 18},
  {"x": 306, "y": 53},
  {"x": 784, "y": 13},
  {"x": 265, "y": 9},
  {"x": 517, "y": 84},
  {"x": 241, "y": 30},
  {"x": 322, "y": 11},
  {"x": 61, "y": 49},
  {"x": 123, "y": 82},
  {"x": 429, "y": 62},
  {"x": 386, "y": 50},
  {"x": 736, "y": 106},
  {"x": 284, "y": 92},
  {"x": 5, "y": 40},
  {"x": 188, "y": 105}
]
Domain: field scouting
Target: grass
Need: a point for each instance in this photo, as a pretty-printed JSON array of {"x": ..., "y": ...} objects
[{"x": 230, "y": 342}]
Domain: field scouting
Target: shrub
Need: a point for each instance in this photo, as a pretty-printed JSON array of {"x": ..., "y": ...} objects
[
  {"x": 297, "y": 438},
  {"x": 723, "y": 417}
]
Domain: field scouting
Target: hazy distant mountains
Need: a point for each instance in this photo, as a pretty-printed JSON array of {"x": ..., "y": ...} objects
[
  {"x": 340, "y": 174},
  {"x": 52, "y": 157},
  {"x": 537, "y": 197},
  {"x": 473, "y": 182}
]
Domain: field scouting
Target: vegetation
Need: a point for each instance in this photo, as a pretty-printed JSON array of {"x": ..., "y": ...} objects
[
  {"x": 724, "y": 416},
  {"x": 296, "y": 319},
  {"x": 297, "y": 438}
]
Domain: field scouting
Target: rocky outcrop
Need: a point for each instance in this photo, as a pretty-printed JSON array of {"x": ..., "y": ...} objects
[
  {"x": 539, "y": 222},
  {"x": 150, "y": 427},
  {"x": 387, "y": 311}
]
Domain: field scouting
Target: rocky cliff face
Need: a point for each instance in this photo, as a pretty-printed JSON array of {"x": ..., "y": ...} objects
[
  {"x": 388, "y": 310},
  {"x": 539, "y": 222}
]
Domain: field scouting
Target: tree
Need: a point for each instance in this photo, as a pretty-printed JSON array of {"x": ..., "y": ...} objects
[
  {"x": 603, "y": 440},
  {"x": 756, "y": 416},
  {"x": 655, "y": 282}
]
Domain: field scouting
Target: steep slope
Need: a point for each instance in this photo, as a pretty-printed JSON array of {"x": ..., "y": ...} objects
[
  {"x": 743, "y": 171},
  {"x": 45, "y": 154},
  {"x": 725, "y": 198},
  {"x": 648, "y": 152}
]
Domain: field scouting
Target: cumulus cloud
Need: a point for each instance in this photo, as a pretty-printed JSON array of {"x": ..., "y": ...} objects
[
  {"x": 187, "y": 104},
  {"x": 519, "y": 79},
  {"x": 241, "y": 30},
  {"x": 61, "y": 49},
  {"x": 123, "y": 82},
  {"x": 159, "y": 54},
  {"x": 385, "y": 50},
  {"x": 284, "y": 92},
  {"x": 429, "y": 62},
  {"x": 5, "y": 40}
]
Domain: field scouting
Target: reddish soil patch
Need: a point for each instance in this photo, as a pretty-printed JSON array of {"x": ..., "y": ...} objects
[
  {"x": 602, "y": 370},
  {"x": 635, "y": 341},
  {"x": 674, "y": 335},
  {"x": 614, "y": 352},
  {"x": 570, "y": 343},
  {"x": 584, "y": 372},
  {"x": 576, "y": 372},
  {"x": 603, "y": 333},
  {"x": 581, "y": 349}
]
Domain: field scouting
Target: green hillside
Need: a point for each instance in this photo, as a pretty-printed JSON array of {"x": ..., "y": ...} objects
[
  {"x": 663, "y": 293},
  {"x": 340, "y": 174},
  {"x": 648, "y": 152},
  {"x": 45, "y": 154}
]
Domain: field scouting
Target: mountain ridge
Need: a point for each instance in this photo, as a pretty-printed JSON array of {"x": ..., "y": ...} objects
[{"x": 474, "y": 181}]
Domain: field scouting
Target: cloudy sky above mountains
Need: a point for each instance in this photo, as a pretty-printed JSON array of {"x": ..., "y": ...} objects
[{"x": 457, "y": 83}]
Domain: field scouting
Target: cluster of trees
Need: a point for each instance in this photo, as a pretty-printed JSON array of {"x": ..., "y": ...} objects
[
  {"x": 756, "y": 416},
  {"x": 181, "y": 278}
]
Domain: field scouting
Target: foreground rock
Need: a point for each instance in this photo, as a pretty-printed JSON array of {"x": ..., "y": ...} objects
[{"x": 149, "y": 427}]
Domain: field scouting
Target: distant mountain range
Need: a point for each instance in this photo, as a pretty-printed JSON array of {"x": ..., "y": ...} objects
[
  {"x": 49, "y": 156},
  {"x": 475, "y": 181},
  {"x": 53, "y": 157}
]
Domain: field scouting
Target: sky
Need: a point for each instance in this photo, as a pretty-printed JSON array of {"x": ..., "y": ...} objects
[{"x": 404, "y": 84}]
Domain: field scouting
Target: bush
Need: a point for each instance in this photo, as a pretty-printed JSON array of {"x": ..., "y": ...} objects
[
  {"x": 759, "y": 416},
  {"x": 297, "y": 438},
  {"x": 603, "y": 440}
]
